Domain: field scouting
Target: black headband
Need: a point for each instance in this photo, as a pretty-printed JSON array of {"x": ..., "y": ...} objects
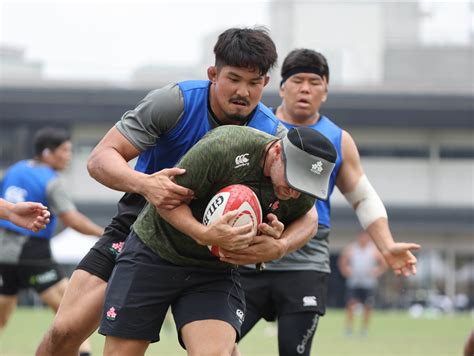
[{"x": 297, "y": 70}]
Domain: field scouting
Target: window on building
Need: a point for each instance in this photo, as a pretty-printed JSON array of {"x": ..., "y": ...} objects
[
  {"x": 394, "y": 151},
  {"x": 446, "y": 152},
  {"x": 14, "y": 145}
]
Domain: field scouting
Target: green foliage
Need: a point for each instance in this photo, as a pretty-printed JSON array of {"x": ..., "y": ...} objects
[{"x": 391, "y": 333}]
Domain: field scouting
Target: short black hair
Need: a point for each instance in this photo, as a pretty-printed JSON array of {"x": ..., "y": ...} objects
[
  {"x": 246, "y": 48},
  {"x": 50, "y": 138},
  {"x": 304, "y": 57}
]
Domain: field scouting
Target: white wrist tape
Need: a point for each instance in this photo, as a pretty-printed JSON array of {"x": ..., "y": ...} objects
[{"x": 369, "y": 206}]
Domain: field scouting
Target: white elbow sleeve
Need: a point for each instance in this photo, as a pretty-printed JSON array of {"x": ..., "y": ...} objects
[{"x": 369, "y": 206}]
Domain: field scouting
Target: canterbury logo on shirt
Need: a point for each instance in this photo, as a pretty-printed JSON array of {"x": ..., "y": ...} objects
[{"x": 242, "y": 160}]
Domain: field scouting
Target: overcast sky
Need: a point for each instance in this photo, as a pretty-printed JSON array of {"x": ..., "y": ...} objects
[{"x": 103, "y": 39}]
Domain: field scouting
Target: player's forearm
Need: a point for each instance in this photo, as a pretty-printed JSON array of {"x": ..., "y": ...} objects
[
  {"x": 380, "y": 233},
  {"x": 183, "y": 220},
  {"x": 300, "y": 231},
  {"x": 81, "y": 223},
  {"x": 5, "y": 209},
  {"x": 90, "y": 228}
]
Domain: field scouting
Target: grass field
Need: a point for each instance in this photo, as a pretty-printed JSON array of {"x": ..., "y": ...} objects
[{"x": 391, "y": 334}]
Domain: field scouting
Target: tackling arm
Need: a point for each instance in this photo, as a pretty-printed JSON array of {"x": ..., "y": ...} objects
[{"x": 108, "y": 165}]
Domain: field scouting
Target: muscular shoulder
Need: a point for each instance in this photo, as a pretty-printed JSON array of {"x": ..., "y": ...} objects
[
  {"x": 167, "y": 105},
  {"x": 157, "y": 114}
]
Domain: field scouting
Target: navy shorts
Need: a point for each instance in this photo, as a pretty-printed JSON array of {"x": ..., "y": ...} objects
[
  {"x": 35, "y": 269},
  {"x": 269, "y": 294},
  {"x": 143, "y": 286},
  {"x": 100, "y": 260},
  {"x": 363, "y": 295}
]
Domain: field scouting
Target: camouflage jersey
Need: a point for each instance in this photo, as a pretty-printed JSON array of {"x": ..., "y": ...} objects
[{"x": 226, "y": 155}]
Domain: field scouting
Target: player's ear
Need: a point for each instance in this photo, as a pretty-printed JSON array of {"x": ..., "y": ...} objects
[
  {"x": 326, "y": 85},
  {"x": 212, "y": 74},
  {"x": 278, "y": 149},
  {"x": 45, "y": 152},
  {"x": 281, "y": 91},
  {"x": 266, "y": 80}
]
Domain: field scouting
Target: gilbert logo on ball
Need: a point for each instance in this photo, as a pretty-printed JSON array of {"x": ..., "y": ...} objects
[{"x": 233, "y": 197}]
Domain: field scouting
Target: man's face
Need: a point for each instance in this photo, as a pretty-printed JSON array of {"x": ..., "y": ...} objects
[
  {"x": 280, "y": 185},
  {"x": 235, "y": 92},
  {"x": 61, "y": 156},
  {"x": 303, "y": 94}
]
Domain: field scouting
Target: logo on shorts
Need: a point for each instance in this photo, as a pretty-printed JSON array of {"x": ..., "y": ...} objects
[
  {"x": 43, "y": 278},
  {"x": 310, "y": 301},
  {"x": 111, "y": 314},
  {"x": 242, "y": 160},
  {"x": 240, "y": 315},
  {"x": 116, "y": 247}
]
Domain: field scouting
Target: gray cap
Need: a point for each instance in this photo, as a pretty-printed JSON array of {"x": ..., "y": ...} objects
[{"x": 309, "y": 161}]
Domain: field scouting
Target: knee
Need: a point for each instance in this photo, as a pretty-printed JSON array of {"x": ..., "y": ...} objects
[
  {"x": 3, "y": 322},
  {"x": 59, "y": 338},
  {"x": 211, "y": 353},
  {"x": 59, "y": 334},
  {"x": 212, "y": 350}
]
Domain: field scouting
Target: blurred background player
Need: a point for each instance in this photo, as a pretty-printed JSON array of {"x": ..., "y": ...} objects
[
  {"x": 25, "y": 256},
  {"x": 29, "y": 215},
  {"x": 361, "y": 264},
  {"x": 293, "y": 288}
]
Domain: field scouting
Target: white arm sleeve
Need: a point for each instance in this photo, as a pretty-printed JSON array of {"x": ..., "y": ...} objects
[{"x": 370, "y": 207}]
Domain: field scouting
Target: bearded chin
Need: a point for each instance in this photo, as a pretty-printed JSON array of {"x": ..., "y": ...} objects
[{"x": 239, "y": 118}]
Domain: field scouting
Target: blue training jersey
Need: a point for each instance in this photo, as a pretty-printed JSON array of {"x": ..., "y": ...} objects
[
  {"x": 192, "y": 126},
  {"x": 25, "y": 181}
]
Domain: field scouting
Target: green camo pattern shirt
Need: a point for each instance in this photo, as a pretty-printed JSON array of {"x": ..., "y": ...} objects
[{"x": 211, "y": 165}]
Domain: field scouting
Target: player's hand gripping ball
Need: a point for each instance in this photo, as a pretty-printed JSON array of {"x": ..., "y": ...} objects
[{"x": 234, "y": 197}]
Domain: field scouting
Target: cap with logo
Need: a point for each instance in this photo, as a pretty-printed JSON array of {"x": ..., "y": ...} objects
[{"x": 309, "y": 161}]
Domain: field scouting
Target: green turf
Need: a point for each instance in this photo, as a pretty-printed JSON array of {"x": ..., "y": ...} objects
[{"x": 391, "y": 333}]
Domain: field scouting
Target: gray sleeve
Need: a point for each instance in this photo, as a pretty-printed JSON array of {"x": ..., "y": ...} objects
[
  {"x": 59, "y": 200},
  {"x": 155, "y": 115}
]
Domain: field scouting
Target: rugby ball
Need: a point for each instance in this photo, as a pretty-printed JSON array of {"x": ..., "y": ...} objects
[{"x": 233, "y": 197}]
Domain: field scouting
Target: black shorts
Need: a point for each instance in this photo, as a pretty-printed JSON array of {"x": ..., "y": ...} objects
[
  {"x": 35, "y": 269},
  {"x": 143, "y": 286},
  {"x": 363, "y": 295},
  {"x": 100, "y": 260},
  {"x": 269, "y": 294}
]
